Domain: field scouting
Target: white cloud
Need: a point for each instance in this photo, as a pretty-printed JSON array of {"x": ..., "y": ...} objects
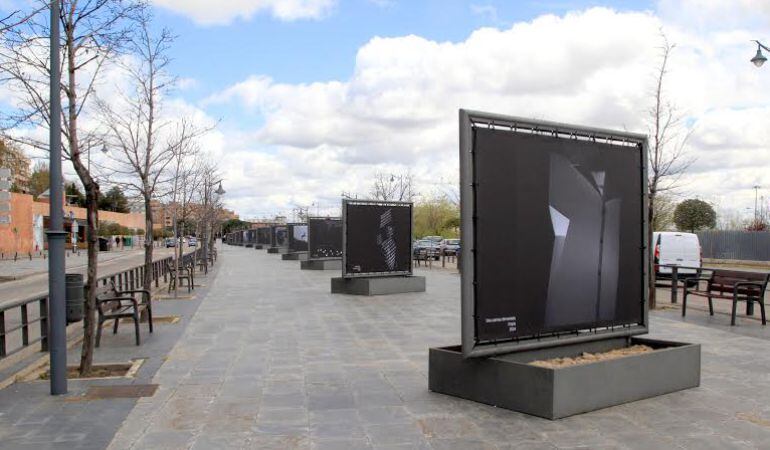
[
  {"x": 206, "y": 12},
  {"x": 310, "y": 142}
]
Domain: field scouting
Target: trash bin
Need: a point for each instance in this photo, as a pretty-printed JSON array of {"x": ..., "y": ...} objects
[
  {"x": 75, "y": 297},
  {"x": 104, "y": 244}
]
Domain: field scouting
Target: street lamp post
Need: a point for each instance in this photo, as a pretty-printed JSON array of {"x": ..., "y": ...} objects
[
  {"x": 57, "y": 339},
  {"x": 756, "y": 192},
  {"x": 206, "y": 241}
]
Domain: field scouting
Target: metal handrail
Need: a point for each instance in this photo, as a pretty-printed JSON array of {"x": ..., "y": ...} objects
[{"x": 124, "y": 280}]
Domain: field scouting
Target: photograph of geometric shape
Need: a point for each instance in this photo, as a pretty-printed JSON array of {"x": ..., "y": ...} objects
[{"x": 553, "y": 229}]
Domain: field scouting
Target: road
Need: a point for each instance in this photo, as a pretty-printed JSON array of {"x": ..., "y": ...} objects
[{"x": 37, "y": 284}]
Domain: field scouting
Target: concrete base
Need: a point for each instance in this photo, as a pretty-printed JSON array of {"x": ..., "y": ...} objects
[
  {"x": 321, "y": 264},
  {"x": 378, "y": 285},
  {"x": 509, "y": 381},
  {"x": 249, "y": 245},
  {"x": 295, "y": 256},
  {"x": 278, "y": 250},
  {"x": 259, "y": 246}
]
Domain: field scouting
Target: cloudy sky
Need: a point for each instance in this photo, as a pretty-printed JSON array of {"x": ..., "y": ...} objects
[{"x": 315, "y": 96}]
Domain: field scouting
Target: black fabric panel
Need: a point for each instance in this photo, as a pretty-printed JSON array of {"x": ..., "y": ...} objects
[
  {"x": 324, "y": 237},
  {"x": 558, "y": 234},
  {"x": 297, "y": 237},
  {"x": 379, "y": 239},
  {"x": 279, "y": 236}
]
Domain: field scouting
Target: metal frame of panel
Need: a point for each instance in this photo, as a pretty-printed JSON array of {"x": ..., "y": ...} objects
[
  {"x": 470, "y": 119},
  {"x": 348, "y": 201}
]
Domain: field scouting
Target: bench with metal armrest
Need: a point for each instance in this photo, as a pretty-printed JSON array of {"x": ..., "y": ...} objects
[
  {"x": 185, "y": 273},
  {"x": 114, "y": 304},
  {"x": 734, "y": 285}
]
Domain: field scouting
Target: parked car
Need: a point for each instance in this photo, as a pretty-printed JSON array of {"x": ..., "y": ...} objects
[
  {"x": 675, "y": 248},
  {"x": 450, "y": 246},
  {"x": 170, "y": 242},
  {"x": 431, "y": 248},
  {"x": 435, "y": 239},
  {"x": 192, "y": 241}
]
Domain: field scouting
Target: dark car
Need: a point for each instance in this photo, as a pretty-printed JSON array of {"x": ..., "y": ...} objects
[
  {"x": 426, "y": 248},
  {"x": 450, "y": 246}
]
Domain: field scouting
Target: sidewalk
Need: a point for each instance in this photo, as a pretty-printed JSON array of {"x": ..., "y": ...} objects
[{"x": 272, "y": 360}]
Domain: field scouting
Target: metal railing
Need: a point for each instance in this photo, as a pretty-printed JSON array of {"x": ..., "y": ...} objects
[{"x": 24, "y": 323}]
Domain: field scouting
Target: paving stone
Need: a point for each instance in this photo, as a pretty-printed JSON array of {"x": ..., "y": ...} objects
[{"x": 276, "y": 361}]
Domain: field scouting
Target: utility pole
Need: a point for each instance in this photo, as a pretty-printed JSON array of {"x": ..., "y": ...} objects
[
  {"x": 57, "y": 339},
  {"x": 756, "y": 192}
]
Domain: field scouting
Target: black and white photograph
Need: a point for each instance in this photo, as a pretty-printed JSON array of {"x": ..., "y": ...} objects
[
  {"x": 377, "y": 237},
  {"x": 324, "y": 237}
]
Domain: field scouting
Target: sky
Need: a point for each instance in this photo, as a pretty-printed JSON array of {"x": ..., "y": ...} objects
[{"x": 313, "y": 97}]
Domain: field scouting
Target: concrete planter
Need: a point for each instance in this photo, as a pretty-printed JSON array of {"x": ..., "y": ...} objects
[
  {"x": 378, "y": 285},
  {"x": 321, "y": 264},
  {"x": 509, "y": 381},
  {"x": 295, "y": 256}
]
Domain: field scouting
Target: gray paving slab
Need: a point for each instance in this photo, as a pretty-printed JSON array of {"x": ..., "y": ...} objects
[
  {"x": 31, "y": 418},
  {"x": 276, "y": 361}
]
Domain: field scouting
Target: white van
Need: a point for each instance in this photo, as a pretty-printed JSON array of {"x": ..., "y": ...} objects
[{"x": 675, "y": 248}]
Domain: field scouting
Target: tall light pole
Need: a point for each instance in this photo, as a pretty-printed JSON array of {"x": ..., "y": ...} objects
[
  {"x": 206, "y": 241},
  {"x": 57, "y": 339},
  {"x": 756, "y": 192}
]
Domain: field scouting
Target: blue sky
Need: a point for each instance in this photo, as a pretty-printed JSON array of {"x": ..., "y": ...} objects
[{"x": 311, "y": 50}]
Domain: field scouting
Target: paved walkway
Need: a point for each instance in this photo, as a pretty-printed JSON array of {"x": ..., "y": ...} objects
[
  {"x": 30, "y": 418},
  {"x": 272, "y": 360}
]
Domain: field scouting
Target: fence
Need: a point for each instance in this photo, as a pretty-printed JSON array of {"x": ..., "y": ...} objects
[
  {"x": 25, "y": 322},
  {"x": 735, "y": 244}
]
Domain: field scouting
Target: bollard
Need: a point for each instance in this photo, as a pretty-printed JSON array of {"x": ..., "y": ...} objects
[{"x": 674, "y": 287}]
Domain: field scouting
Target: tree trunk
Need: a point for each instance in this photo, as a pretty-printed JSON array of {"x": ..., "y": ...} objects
[
  {"x": 92, "y": 199},
  {"x": 148, "y": 224},
  {"x": 89, "y": 318}
]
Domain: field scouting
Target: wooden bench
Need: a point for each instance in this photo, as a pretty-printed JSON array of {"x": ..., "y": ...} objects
[
  {"x": 735, "y": 285},
  {"x": 114, "y": 304}
]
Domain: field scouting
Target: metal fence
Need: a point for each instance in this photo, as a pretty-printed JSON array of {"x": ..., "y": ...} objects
[
  {"x": 25, "y": 322},
  {"x": 735, "y": 244}
]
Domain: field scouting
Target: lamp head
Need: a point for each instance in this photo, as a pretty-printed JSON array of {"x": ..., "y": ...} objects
[
  {"x": 219, "y": 190},
  {"x": 759, "y": 58}
]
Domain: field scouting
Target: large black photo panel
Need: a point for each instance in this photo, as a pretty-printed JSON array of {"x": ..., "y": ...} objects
[
  {"x": 263, "y": 235},
  {"x": 280, "y": 237},
  {"x": 297, "y": 237},
  {"x": 559, "y": 232},
  {"x": 377, "y": 238},
  {"x": 324, "y": 237}
]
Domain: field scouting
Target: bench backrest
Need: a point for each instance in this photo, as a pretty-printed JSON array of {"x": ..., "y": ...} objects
[
  {"x": 725, "y": 280},
  {"x": 106, "y": 291}
]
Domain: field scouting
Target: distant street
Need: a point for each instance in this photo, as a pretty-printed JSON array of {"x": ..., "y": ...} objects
[{"x": 109, "y": 262}]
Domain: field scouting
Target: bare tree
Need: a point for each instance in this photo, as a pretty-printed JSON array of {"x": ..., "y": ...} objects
[
  {"x": 134, "y": 124},
  {"x": 393, "y": 187},
  {"x": 667, "y": 157},
  {"x": 185, "y": 180},
  {"x": 94, "y": 31}
]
